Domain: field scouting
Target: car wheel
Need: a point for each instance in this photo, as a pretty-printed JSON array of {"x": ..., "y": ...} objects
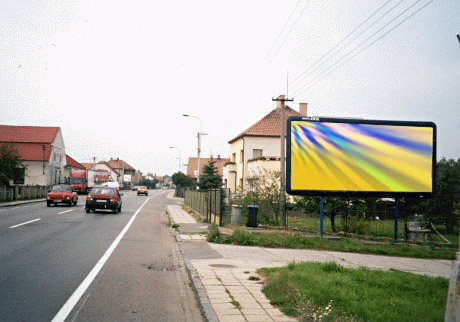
[
  {"x": 48, "y": 204},
  {"x": 88, "y": 210},
  {"x": 114, "y": 211},
  {"x": 119, "y": 209},
  {"x": 75, "y": 203}
]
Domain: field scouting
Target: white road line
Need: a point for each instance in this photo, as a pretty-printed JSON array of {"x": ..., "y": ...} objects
[
  {"x": 63, "y": 212},
  {"x": 75, "y": 297},
  {"x": 25, "y": 223}
]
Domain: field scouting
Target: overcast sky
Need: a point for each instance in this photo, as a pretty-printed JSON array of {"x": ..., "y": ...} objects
[{"x": 117, "y": 76}]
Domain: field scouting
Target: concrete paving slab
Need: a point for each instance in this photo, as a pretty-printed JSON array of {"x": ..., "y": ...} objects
[{"x": 225, "y": 270}]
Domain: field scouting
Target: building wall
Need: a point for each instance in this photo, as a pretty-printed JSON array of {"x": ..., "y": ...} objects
[
  {"x": 256, "y": 167},
  {"x": 270, "y": 148},
  {"x": 34, "y": 173},
  {"x": 57, "y": 161},
  {"x": 113, "y": 174}
]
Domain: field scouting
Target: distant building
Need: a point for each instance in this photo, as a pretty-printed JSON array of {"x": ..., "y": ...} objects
[
  {"x": 192, "y": 167},
  {"x": 42, "y": 151},
  {"x": 257, "y": 148},
  {"x": 126, "y": 172}
]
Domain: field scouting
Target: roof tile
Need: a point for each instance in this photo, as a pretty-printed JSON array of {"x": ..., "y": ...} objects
[{"x": 269, "y": 125}]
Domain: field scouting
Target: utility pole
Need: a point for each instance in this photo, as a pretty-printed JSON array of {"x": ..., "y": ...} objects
[
  {"x": 94, "y": 163},
  {"x": 283, "y": 99}
]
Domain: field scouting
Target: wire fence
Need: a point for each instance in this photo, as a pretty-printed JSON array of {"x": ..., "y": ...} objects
[{"x": 209, "y": 203}]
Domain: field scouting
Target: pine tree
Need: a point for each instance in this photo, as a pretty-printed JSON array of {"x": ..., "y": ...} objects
[{"x": 210, "y": 179}]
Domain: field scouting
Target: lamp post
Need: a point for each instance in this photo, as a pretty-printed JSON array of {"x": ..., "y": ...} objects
[
  {"x": 174, "y": 147},
  {"x": 199, "y": 144}
]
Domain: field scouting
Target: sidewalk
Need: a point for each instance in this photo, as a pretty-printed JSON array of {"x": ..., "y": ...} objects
[{"x": 222, "y": 272}]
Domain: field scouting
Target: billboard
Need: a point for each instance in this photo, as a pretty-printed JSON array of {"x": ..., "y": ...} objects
[{"x": 353, "y": 157}]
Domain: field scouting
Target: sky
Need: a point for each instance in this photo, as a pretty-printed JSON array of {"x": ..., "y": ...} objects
[{"x": 117, "y": 76}]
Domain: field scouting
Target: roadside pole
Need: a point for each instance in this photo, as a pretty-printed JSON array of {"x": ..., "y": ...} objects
[{"x": 283, "y": 99}]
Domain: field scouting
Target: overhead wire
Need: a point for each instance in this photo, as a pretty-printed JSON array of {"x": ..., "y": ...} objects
[
  {"x": 352, "y": 40},
  {"x": 340, "y": 42},
  {"x": 287, "y": 35},
  {"x": 284, "y": 27},
  {"x": 316, "y": 80}
]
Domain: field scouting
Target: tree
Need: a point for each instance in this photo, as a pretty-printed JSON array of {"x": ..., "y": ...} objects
[
  {"x": 151, "y": 184},
  {"x": 210, "y": 179},
  {"x": 11, "y": 167},
  {"x": 183, "y": 181},
  {"x": 264, "y": 192},
  {"x": 441, "y": 208}
]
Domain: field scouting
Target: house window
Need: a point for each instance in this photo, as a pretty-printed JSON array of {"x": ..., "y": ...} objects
[
  {"x": 241, "y": 156},
  {"x": 257, "y": 153},
  {"x": 233, "y": 157}
]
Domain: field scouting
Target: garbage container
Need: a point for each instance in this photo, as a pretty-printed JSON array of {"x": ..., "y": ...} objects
[
  {"x": 252, "y": 215},
  {"x": 237, "y": 211}
]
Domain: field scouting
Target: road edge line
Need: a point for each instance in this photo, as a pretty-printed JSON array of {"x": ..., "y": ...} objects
[{"x": 64, "y": 312}]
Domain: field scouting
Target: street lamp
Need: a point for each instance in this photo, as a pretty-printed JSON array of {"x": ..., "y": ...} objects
[
  {"x": 174, "y": 147},
  {"x": 199, "y": 144}
]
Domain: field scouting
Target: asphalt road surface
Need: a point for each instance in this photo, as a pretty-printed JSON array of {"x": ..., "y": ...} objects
[{"x": 62, "y": 264}]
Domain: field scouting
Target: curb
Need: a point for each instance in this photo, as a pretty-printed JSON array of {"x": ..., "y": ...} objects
[
  {"x": 198, "y": 287},
  {"x": 20, "y": 202}
]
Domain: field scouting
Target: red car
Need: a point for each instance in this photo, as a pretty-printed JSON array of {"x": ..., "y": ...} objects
[
  {"x": 104, "y": 198},
  {"x": 62, "y": 193}
]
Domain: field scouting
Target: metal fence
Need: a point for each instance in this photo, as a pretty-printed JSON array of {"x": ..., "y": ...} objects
[
  {"x": 209, "y": 203},
  {"x": 22, "y": 193}
]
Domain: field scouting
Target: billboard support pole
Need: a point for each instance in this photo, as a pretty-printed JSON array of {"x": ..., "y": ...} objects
[
  {"x": 321, "y": 217},
  {"x": 396, "y": 219}
]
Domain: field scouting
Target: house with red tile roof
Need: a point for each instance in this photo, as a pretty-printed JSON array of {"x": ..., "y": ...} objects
[
  {"x": 192, "y": 167},
  {"x": 126, "y": 173},
  {"x": 258, "y": 147},
  {"x": 42, "y": 151}
]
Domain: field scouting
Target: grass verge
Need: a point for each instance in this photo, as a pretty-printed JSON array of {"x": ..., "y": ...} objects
[
  {"x": 306, "y": 290},
  {"x": 286, "y": 240}
]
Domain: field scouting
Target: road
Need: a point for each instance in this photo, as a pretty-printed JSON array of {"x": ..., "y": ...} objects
[{"x": 47, "y": 253}]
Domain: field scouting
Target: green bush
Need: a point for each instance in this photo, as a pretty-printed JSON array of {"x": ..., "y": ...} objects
[
  {"x": 356, "y": 225},
  {"x": 215, "y": 236}
]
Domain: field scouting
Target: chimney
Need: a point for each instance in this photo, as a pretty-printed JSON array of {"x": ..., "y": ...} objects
[
  {"x": 303, "y": 109},
  {"x": 279, "y": 103},
  {"x": 218, "y": 157}
]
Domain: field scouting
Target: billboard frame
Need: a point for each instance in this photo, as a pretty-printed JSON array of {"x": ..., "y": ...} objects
[{"x": 347, "y": 193}]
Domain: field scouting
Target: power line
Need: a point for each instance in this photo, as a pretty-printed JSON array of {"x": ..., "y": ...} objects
[
  {"x": 284, "y": 27},
  {"x": 341, "y": 41},
  {"x": 349, "y": 42},
  {"x": 285, "y": 38},
  {"x": 316, "y": 80}
]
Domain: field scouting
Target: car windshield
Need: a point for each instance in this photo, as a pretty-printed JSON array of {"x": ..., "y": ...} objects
[
  {"x": 142, "y": 187},
  {"x": 103, "y": 191},
  {"x": 62, "y": 187}
]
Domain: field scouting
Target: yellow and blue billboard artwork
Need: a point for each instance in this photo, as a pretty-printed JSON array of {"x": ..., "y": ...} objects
[{"x": 360, "y": 157}]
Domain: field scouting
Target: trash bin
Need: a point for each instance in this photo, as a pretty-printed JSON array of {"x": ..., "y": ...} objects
[
  {"x": 237, "y": 211},
  {"x": 252, "y": 215}
]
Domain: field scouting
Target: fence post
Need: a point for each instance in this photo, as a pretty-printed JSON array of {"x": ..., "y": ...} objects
[{"x": 221, "y": 207}]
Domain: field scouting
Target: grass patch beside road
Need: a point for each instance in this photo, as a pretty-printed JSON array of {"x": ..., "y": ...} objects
[
  {"x": 286, "y": 240},
  {"x": 303, "y": 289}
]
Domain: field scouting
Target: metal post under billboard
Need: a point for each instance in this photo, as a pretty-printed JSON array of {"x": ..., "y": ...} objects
[
  {"x": 396, "y": 219},
  {"x": 321, "y": 217}
]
